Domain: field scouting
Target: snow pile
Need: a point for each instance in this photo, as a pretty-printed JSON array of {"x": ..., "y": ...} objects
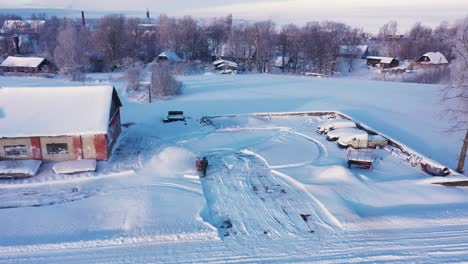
[
  {"x": 22, "y": 167},
  {"x": 333, "y": 174},
  {"x": 171, "y": 161},
  {"x": 74, "y": 166}
]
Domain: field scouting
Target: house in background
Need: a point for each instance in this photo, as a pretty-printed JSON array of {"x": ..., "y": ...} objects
[
  {"x": 168, "y": 56},
  {"x": 430, "y": 60},
  {"x": 22, "y": 26},
  {"x": 225, "y": 66},
  {"x": 354, "y": 51},
  {"x": 382, "y": 62},
  {"x": 27, "y": 65},
  {"x": 59, "y": 123}
]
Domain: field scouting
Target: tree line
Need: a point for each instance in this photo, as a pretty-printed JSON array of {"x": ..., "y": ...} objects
[{"x": 116, "y": 41}]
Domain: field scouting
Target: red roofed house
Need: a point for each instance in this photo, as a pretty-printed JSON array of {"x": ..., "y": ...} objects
[{"x": 59, "y": 123}]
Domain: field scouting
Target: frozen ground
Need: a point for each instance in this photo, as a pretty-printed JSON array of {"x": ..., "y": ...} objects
[{"x": 275, "y": 192}]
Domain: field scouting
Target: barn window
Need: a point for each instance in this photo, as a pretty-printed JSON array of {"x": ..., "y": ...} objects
[
  {"x": 57, "y": 148},
  {"x": 15, "y": 151}
]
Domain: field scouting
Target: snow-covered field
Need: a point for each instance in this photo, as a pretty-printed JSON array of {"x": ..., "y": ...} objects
[{"x": 275, "y": 192}]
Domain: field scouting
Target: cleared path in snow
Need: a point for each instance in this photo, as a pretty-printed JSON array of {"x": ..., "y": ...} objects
[{"x": 246, "y": 200}]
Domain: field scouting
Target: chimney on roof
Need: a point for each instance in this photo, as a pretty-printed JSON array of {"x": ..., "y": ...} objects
[
  {"x": 83, "y": 21},
  {"x": 16, "y": 41}
]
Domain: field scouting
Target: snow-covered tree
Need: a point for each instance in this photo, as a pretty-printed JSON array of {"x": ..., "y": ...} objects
[
  {"x": 163, "y": 82},
  {"x": 455, "y": 96}
]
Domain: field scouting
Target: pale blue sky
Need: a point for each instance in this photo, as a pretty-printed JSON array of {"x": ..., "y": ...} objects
[{"x": 368, "y": 14}]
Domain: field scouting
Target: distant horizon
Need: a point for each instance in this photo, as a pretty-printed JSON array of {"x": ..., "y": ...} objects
[{"x": 369, "y": 19}]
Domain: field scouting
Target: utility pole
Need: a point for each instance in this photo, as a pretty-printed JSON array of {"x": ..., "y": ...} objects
[{"x": 149, "y": 92}]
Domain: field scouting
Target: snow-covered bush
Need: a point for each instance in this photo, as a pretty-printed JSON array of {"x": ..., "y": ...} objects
[
  {"x": 163, "y": 82},
  {"x": 134, "y": 76},
  {"x": 436, "y": 75}
]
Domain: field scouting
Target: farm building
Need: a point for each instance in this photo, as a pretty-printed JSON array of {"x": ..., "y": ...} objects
[
  {"x": 27, "y": 65},
  {"x": 383, "y": 62},
  {"x": 168, "y": 56},
  {"x": 59, "y": 123},
  {"x": 431, "y": 59},
  {"x": 225, "y": 65}
]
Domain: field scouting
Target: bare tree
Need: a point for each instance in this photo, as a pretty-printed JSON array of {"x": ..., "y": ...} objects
[
  {"x": 163, "y": 82},
  {"x": 455, "y": 96},
  {"x": 353, "y": 39},
  {"x": 48, "y": 37},
  {"x": 70, "y": 52},
  {"x": 111, "y": 38},
  {"x": 388, "y": 30},
  {"x": 264, "y": 42}
]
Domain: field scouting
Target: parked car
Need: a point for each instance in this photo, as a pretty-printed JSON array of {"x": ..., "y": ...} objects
[
  {"x": 335, "y": 134},
  {"x": 333, "y": 124},
  {"x": 359, "y": 141}
]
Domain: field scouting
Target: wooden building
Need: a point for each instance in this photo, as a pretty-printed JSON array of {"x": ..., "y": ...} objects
[
  {"x": 59, "y": 123},
  {"x": 27, "y": 65},
  {"x": 382, "y": 62}
]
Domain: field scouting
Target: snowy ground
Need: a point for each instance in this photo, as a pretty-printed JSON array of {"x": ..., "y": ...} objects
[{"x": 275, "y": 192}]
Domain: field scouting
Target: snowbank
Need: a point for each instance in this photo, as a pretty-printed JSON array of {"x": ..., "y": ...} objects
[
  {"x": 19, "y": 167},
  {"x": 74, "y": 166}
]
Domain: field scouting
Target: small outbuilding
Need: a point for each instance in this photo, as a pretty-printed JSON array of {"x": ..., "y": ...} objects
[
  {"x": 168, "y": 56},
  {"x": 27, "y": 65},
  {"x": 382, "y": 62},
  {"x": 225, "y": 65},
  {"x": 59, "y": 123}
]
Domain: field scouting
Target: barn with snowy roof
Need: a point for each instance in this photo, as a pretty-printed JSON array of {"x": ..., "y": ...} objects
[
  {"x": 431, "y": 59},
  {"x": 27, "y": 65},
  {"x": 59, "y": 123}
]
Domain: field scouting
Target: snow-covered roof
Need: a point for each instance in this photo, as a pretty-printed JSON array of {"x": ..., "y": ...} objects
[
  {"x": 170, "y": 55},
  {"x": 55, "y": 111},
  {"x": 30, "y": 62},
  {"x": 385, "y": 60},
  {"x": 222, "y": 62},
  {"x": 353, "y": 49},
  {"x": 433, "y": 58}
]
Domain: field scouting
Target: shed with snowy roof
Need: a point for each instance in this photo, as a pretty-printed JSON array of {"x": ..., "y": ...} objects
[
  {"x": 27, "y": 65},
  {"x": 59, "y": 123},
  {"x": 168, "y": 56},
  {"x": 382, "y": 62}
]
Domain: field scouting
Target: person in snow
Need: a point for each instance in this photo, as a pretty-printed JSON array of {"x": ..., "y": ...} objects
[{"x": 204, "y": 166}]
